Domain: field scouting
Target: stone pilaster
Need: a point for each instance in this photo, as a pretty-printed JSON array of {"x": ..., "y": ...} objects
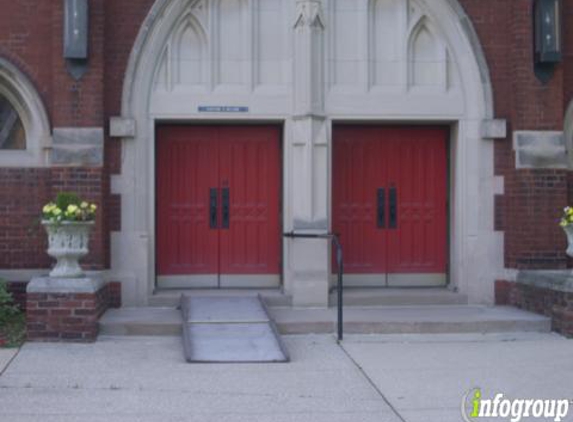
[{"x": 310, "y": 134}]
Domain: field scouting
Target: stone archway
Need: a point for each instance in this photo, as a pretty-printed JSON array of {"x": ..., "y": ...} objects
[{"x": 437, "y": 25}]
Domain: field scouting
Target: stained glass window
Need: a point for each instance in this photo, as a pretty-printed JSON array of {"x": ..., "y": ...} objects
[{"x": 12, "y": 134}]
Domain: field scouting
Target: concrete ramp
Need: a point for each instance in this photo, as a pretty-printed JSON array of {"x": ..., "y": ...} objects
[{"x": 229, "y": 329}]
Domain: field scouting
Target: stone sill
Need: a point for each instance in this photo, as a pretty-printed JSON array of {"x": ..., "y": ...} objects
[
  {"x": 557, "y": 280},
  {"x": 90, "y": 284}
]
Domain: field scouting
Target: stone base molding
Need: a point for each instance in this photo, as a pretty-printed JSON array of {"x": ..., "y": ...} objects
[{"x": 65, "y": 309}]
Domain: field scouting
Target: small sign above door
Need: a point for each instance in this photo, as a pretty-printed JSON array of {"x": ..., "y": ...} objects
[{"x": 223, "y": 109}]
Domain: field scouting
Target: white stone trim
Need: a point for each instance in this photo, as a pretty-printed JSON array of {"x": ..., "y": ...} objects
[
  {"x": 120, "y": 127},
  {"x": 21, "y": 93},
  {"x": 540, "y": 150},
  {"x": 65, "y": 285},
  {"x": 494, "y": 129}
]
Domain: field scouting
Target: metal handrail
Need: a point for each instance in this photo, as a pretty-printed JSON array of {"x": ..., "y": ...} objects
[{"x": 339, "y": 263}]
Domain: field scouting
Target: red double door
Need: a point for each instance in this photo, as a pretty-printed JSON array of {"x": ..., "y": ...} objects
[
  {"x": 217, "y": 213},
  {"x": 390, "y": 204}
]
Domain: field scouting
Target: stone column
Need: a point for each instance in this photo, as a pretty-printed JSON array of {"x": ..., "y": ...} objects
[{"x": 309, "y": 139}]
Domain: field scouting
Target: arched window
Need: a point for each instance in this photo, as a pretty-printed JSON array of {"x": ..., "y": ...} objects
[
  {"x": 12, "y": 134},
  {"x": 24, "y": 127}
]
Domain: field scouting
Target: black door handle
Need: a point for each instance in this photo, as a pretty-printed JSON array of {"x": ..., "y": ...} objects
[
  {"x": 381, "y": 209},
  {"x": 225, "y": 198},
  {"x": 213, "y": 208},
  {"x": 393, "y": 199}
]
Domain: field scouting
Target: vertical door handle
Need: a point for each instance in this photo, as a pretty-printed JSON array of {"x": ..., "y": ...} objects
[
  {"x": 393, "y": 199},
  {"x": 226, "y": 208},
  {"x": 213, "y": 193},
  {"x": 381, "y": 208}
]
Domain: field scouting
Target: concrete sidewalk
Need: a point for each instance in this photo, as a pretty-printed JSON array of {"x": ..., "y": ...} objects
[{"x": 371, "y": 378}]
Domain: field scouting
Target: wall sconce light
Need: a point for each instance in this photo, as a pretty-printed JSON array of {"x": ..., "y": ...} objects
[
  {"x": 547, "y": 26},
  {"x": 76, "y": 36}
]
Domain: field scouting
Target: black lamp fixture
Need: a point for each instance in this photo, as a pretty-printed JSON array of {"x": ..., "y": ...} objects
[
  {"x": 547, "y": 25},
  {"x": 76, "y": 36}
]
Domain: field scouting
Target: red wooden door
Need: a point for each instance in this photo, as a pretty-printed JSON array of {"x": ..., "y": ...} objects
[
  {"x": 218, "y": 206},
  {"x": 390, "y": 204}
]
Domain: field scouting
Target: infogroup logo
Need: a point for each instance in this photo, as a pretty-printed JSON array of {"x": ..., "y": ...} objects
[{"x": 476, "y": 407}]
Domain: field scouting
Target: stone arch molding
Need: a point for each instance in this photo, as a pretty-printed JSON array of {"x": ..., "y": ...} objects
[
  {"x": 443, "y": 21},
  {"x": 21, "y": 93},
  {"x": 432, "y": 31}
]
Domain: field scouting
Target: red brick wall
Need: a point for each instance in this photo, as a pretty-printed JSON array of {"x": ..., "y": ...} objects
[{"x": 30, "y": 36}]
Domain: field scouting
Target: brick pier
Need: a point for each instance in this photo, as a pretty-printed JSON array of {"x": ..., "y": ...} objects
[{"x": 65, "y": 309}]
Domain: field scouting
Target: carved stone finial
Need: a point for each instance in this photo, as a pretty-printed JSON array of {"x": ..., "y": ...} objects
[{"x": 309, "y": 13}]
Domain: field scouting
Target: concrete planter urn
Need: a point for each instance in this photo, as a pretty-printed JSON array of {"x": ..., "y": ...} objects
[
  {"x": 67, "y": 243},
  {"x": 569, "y": 232}
]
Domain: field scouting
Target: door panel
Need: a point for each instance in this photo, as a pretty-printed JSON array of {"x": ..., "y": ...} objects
[
  {"x": 357, "y": 174},
  {"x": 250, "y": 172},
  {"x": 218, "y": 206},
  {"x": 187, "y": 167},
  {"x": 389, "y": 204},
  {"x": 418, "y": 173}
]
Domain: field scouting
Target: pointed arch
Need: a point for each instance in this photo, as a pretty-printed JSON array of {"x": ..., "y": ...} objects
[
  {"x": 21, "y": 94},
  {"x": 427, "y": 55}
]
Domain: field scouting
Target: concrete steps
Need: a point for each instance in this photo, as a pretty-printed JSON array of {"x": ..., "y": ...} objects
[
  {"x": 365, "y": 320},
  {"x": 398, "y": 297},
  {"x": 171, "y": 297},
  {"x": 352, "y": 296}
]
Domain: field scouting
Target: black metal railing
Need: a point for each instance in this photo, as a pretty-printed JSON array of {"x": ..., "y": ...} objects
[{"x": 340, "y": 266}]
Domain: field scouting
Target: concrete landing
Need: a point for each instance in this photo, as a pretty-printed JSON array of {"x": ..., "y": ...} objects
[
  {"x": 401, "y": 320},
  {"x": 382, "y": 320},
  {"x": 399, "y": 297}
]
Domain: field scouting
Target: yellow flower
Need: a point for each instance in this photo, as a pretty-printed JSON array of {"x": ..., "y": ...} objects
[
  {"x": 93, "y": 207},
  {"x": 563, "y": 223},
  {"x": 72, "y": 208},
  {"x": 57, "y": 211},
  {"x": 84, "y": 204}
]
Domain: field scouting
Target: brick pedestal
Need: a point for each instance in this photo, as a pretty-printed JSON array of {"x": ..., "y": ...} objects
[
  {"x": 549, "y": 293},
  {"x": 65, "y": 309}
]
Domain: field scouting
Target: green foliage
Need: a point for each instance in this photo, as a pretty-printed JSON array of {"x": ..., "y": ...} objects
[
  {"x": 12, "y": 320},
  {"x": 65, "y": 199},
  {"x": 68, "y": 207},
  {"x": 8, "y": 310}
]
